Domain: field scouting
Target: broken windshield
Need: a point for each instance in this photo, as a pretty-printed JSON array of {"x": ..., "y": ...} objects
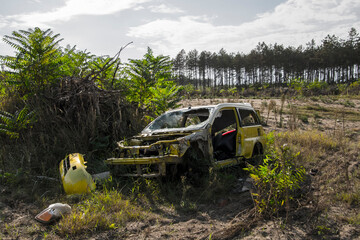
[{"x": 187, "y": 118}]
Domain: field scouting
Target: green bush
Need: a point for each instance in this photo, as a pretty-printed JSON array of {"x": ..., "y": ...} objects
[
  {"x": 276, "y": 181},
  {"x": 149, "y": 83}
]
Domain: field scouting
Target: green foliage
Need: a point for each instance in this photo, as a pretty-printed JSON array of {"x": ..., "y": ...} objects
[
  {"x": 296, "y": 84},
  {"x": 355, "y": 219},
  {"x": 103, "y": 71},
  {"x": 304, "y": 118},
  {"x": 350, "y": 89},
  {"x": 144, "y": 74},
  {"x": 12, "y": 124},
  {"x": 7, "y": 178},
  {"x": 304, "y": 87},
  {"x": 270, "y": 142},
  {"x": 37, "y": 61},
  {"x": 14, "y": 180},
  {"x": 228, "y": 92},
  {"x": 323, "y": 230},
  {"x": 189, "y": 88},
  {"x": 352, "y": 198},
  {"x": 276, "y": 181},
  {"x": 348, "y": 103},
  {"x": 75, "y": 62},
  {"x": 355, "y": 84},
  {"x": 149, "y": 84},
  {"x": 316, "y": 85},
  {"x": 165, "y": 96}
]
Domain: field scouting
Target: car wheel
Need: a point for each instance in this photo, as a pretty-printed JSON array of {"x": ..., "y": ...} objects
[{"x": 258, "y": 155}]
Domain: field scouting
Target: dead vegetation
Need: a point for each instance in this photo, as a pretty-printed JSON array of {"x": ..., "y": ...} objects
[{"x": 328, "y": 143}]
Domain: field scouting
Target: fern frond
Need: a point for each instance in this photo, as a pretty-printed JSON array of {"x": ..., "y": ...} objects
[{"x": 5, "y": 116}]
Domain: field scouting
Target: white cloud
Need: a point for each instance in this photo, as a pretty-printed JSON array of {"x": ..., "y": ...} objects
[
  {"x": 3, "y": 22},
  {"x": 294, "y": 22},
  {"x": 73, "y": 8},
  {"x": 138, "y": 8},
  {"x": 162, "y": 8}
]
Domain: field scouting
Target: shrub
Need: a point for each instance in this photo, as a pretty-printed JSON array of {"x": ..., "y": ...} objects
[
  {"x": 304, "y": 118},
  {"x": 276, "y": 181}
]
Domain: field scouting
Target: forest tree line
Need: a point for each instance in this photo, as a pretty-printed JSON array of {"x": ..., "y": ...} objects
[{"x": 335, "y": 60}]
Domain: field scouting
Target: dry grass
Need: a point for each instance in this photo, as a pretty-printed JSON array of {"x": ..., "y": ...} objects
[
  {"x": 334, "y": 158},
  {"x": 313, "y": 145},
  {"x": 330, "y": 112}
]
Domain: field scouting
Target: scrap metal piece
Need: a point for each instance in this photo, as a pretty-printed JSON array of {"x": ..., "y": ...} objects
[{"x": 75, "y": 178}]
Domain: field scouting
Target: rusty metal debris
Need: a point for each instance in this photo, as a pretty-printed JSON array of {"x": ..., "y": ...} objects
[{"x": 194, "y": 138}]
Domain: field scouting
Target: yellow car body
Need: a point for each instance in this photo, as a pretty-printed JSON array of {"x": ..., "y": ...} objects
[{"x": 75, "y": 178}]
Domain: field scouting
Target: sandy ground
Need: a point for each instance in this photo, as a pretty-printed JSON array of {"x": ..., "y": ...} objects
[{"x": 208, "y": 220}]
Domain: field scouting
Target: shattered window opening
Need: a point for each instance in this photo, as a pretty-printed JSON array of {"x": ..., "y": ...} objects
[
  {"x": 248, "y": 118},
  {"x": 180, "y": 119},
  {"x": 224, "y": 121}
]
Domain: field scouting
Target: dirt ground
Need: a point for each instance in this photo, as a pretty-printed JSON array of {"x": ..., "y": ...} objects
[{"x": 212, "y": 220}]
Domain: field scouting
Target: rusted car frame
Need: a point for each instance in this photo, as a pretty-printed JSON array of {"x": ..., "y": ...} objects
[{"x": 193, "y": 138}]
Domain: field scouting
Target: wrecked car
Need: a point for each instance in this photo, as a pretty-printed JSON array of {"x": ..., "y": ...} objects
[{"x": 192, "y": 139}]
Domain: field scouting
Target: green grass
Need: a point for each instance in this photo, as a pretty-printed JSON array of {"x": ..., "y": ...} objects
[
  {"x": 317, "y": 107},
  {"x": 304, "y": 118},
  {"x": 354, "y": 219},
  {"x": 101, "y": 211},
  {"x": 348, "y": 103},
  {"x": 351, "y": 198},
  {"x": 111, "y": 209}
]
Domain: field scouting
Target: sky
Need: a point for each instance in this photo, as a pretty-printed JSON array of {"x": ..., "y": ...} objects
[{"x": 102, "y": 27}]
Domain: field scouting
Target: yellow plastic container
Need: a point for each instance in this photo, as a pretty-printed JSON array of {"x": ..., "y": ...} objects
[{"x": 75, "y": 178}]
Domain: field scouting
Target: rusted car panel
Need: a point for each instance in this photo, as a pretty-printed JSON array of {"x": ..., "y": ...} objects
[{"x": 220, "y": 135}]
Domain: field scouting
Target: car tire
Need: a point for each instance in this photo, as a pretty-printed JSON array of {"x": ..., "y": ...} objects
[{"x": 257, "y": 157}]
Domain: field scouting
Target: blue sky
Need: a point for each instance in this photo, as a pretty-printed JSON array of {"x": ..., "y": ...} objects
[{"x": 167, "y": 26}]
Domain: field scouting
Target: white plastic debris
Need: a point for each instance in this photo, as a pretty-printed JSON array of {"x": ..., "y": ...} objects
[{"x": 53, "y": 212}]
